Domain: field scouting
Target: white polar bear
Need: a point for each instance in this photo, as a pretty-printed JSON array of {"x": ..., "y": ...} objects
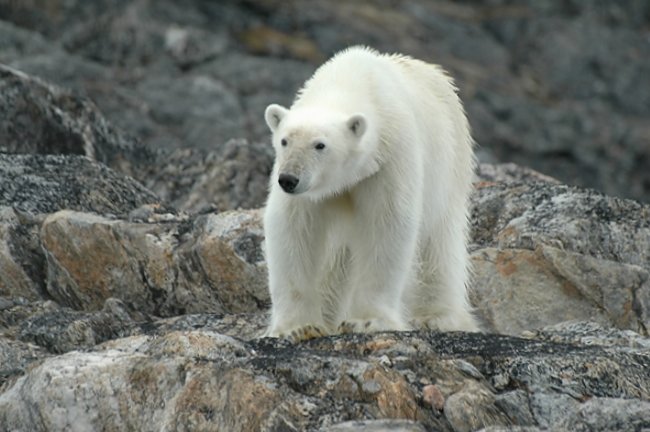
[{"x": 367, "y": 218}]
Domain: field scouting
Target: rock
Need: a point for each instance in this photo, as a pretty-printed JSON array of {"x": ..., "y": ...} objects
[
  {"x": 562, "y": 252},
  {"x": 573, "y": 110},
  {"x": 60, "y": 330},
  {"x": 234, "y": 176},
  {"x": 21, "y": 260},
  {"x": 15, "y": 358},
  {"x": 473, "y": 408},
  {"x": 16, "y": 42},
  {"x": 201, "y": 111},
  {"x": 258, "y": 81},
  {"x": 267, "y": 384},
  {"x": 432, "y": 395},
  {"x": 211, "y": 264},
  {"x": 39, "y": 118},
  {"x": 608, "y": 414},
  {"x": 509, "y": 173},
  {"x": 376, "y": 426},
  {"x": 48, "y": 183},
  {"x": 591, "y": 333},
  {"x": 43, "y": 119}
]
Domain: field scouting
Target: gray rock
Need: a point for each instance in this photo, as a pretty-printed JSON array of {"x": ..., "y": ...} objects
[
  {"x": 21, "y": 259},
  {"x": 606, "y": 414},
  {"x": 39, "y": 118},
  {"x": 551, "y": 408},
  {"x": 269, "y": 384},
  {"x": 47, "y": 183},
  {"x": 376, "y": 426},
  {"x": 487, "y": 174},
  {"x": 561, "y": 254},
  {"x": 16, "y": 42},
  {"x": 211, "y": 264},
  {"x": 235, "y": 175},
  {"x": 60, "y": 330},
  {"x": 590, "y": 333},
  {"x": 15, "y": 358},
  {"x": 200, "y": 111}
]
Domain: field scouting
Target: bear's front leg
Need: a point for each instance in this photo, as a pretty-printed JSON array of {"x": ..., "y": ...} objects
[
  {"x": 292, "y": 258},
  {"x": 383, "y": 252}
]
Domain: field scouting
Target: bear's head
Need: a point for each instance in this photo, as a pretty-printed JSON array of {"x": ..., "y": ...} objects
[{"x": 320, "y": 152}]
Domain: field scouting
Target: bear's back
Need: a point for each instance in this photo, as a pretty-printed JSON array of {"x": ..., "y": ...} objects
[{"x": 355, "y": 80}]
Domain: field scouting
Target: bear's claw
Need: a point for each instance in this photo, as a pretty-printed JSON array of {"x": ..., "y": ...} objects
[
  {"x": 299, "y": 334},
  {"x": 367, "y": 326}
]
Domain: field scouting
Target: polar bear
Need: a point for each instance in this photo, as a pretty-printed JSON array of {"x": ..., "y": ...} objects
[{"x": 366, "y": 222}]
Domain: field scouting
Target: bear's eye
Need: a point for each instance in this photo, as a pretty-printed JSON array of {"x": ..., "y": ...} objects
[
  {"x": 283, "y": 142},
  {"x": 319, "y": 146}
]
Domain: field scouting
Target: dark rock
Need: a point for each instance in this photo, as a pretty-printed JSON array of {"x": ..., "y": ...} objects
[
  {"x": 15, "y": 359},
  {"x": 60, "y": 330},
  {"x": 39, "y": 118},
  {"x": 48, "y": 183},
  {"x": 16, "y": 42},
  {"x": 558, "y": 87},
  {"x": 22, "y": 263},
  {"x": 234, "y": 175},
  {"x": 201, "y": 111}
]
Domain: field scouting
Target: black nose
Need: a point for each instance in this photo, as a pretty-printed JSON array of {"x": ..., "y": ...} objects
[{"x": 288, "y": 182}]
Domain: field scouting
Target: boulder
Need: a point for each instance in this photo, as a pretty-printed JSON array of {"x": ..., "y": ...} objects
[
  {"x": 213, "y": 263},
  {"x": 559, "y": 253},
  {"x": 204, "y": 380},
  {"x": 233, "y": 176},
  {"x": 48, "y": 183},
  {"x": 40, "y": 118}
]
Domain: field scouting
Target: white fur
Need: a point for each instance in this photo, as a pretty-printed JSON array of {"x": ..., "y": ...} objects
[{"x": 374, "y": 235}]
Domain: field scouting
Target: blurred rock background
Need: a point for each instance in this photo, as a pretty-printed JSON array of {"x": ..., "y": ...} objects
[{"x": 559, "y": 86}]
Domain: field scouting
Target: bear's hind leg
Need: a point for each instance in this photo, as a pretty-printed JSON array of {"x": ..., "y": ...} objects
[{"x": 439, "y": 300}]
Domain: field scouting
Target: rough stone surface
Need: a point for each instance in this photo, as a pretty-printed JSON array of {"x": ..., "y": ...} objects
[
  {"x": 211, "y": 264},
  {"x": 236, "y": 175},
  {"x": 557, "y": 86},
  {"x": 560, "y": 253},
  {"x": 21, "y": 260},
  {"x": 39, "y": 118},
  {"x": 206, "y": 378},
  {"x": 102, "y": 315},
  {"x": 119, "y": 313},
  {"x": 47, "y": 183}
]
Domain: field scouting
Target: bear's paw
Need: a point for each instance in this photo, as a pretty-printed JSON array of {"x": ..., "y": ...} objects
[
  {"x": 369, "y": 325},
  {"x": 299, "y": 334}
]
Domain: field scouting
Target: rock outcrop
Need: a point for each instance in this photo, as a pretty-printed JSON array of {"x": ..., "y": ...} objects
[
  {"x": 560, "y": 87},
  {"x": 150, "y": 321},
  {"x": 132, "y": 273},
  {"x": 204, "y": 380}
]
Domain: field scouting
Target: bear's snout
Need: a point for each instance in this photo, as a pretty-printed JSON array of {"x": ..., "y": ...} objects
[{"x": 288, "y": 182}]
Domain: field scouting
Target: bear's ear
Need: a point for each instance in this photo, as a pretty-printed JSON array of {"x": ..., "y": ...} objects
[
  {"x": 357, "y": 125},
  {"x": 273, "y": 115}
]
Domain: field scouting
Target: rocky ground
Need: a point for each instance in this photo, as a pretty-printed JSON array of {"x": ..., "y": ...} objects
[
  {"x": 133, "y": 164},
  {"x": 560, "y": 86}
]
